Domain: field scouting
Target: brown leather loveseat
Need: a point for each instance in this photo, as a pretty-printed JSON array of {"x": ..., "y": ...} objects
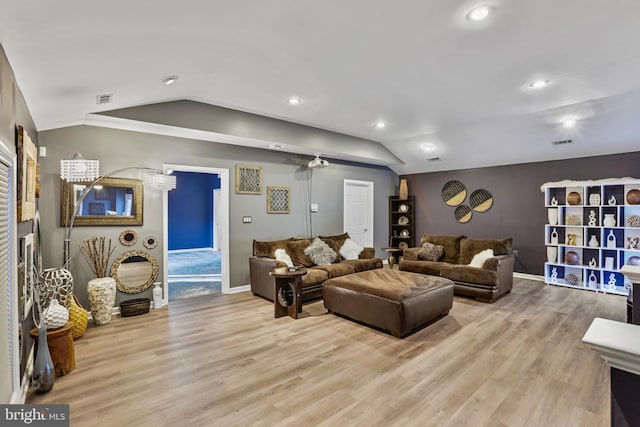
[
  {"x": 487, "y": 283},
  {"x": 263, "y": 261}
]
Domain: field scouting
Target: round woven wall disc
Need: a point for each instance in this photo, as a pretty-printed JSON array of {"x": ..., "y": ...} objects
[
  {"x": 454, "y": 193},
  {"x": 463, "y": 214},
  {"x": 480, "y": 200}
]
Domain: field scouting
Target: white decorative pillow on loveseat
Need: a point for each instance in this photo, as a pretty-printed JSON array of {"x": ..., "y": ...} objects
[
  {"x": 479, "y": 258},
  {"x": 282, "y": 255},
  {"x": 320, "y": 253},
  {"x": 350, "y": 249}
]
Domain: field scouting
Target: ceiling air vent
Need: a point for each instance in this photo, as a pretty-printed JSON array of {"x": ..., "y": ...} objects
[
  {"x": 104, "y": 99},
  {"x": 563, "y": 142},
  {"x": 433, "y": 159}
]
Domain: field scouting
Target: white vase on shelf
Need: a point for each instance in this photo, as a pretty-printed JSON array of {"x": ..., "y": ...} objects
[
  {"x": 609, "y": 220},
  {"x": 593, "y": 242},
  {"x": 552, "y": 254},
  {"x": 552, "y": 214},
  {"x": 594, "y": 199},
  {"x": 611, "y": 240},
  {"x": 593, "y": 281},
  {"x": 554, "y": 237}
]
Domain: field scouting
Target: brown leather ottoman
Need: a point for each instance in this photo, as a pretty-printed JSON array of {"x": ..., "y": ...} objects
[{"x": 397, "y": 301}]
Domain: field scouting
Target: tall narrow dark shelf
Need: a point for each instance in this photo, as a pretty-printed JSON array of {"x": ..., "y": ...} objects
[{"x": 401, "y": 221}]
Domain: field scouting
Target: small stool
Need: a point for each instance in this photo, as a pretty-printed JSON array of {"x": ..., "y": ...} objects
[{"x": 60, "y": 342}]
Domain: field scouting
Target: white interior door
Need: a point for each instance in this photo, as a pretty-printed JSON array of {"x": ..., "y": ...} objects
[
  {"x": 217, "y": 229},
  {"x": 358, "y": 211}
]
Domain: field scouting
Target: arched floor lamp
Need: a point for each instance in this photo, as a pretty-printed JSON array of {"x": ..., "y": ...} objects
[{"x": 80, "y": 169}]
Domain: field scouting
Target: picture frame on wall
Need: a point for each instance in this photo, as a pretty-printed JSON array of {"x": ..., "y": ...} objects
[
  {"x": 248, "y": 179},
  {"x": 278, "y": 199},
  {"x": 27, "y": 172}
]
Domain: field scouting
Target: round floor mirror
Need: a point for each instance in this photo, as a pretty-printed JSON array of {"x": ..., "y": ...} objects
[{"x": 134, "y": 271}]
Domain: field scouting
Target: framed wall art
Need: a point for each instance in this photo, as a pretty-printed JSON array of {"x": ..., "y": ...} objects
[
  {"x": 27, "y": 172},
  {"x": 278, "y": 199},
  {"x": 248, "y": 179}
]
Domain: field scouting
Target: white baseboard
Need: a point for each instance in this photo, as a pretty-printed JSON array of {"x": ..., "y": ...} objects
[
  {"x": 528, "y": 276},
  {"x": 238, "y": 289}
]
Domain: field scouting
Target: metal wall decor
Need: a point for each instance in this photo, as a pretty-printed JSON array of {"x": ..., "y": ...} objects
[
  {"x": 481, "y": 200},
  {"x": 128, "y": 237},
  {"x": 278, "y": 199},
  {"x": 248, "y": 179},
  {"x": 454, "y": 193},
  {"x": 463, "y": 214}
]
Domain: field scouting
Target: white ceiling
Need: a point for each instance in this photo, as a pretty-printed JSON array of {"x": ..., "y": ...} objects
[{"x": 419, "y": 65}]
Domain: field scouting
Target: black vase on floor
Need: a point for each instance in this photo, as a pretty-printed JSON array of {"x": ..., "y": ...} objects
[{"x": 44, "y": 373}]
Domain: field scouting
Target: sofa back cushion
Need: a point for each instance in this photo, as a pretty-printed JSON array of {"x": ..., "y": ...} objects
[
  {"x": 267, "y": 248},
  {"x": 450, "y": 244},
  {"x": 471, "y": 247},
  {"x": 295, "y": 249},
  {"x": 333, "y": 245},
  {"x": 338, "y": 239}
]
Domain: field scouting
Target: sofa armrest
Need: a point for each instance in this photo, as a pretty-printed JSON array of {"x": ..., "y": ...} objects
[
  {"x": 262, "y": 283},
  {"x": 411, "y": 254},
  {"x": 503, "y": 266},
  {"x": 367, "y": 253}
]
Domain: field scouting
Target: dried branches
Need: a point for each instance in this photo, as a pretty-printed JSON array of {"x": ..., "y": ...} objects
[{"x": 97, "y": 254}]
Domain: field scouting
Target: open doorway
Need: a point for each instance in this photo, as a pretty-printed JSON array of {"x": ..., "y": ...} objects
[{"x": 196, "y": 232}]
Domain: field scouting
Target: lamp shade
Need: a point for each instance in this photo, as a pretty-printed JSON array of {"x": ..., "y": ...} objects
[
  {"x": 79, "y": 169},
  {"x": 159, "y": 181}
]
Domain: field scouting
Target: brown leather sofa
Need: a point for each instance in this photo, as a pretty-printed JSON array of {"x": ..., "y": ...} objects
[
  {"x": 488, "y": 283},
  {"x": 263, "y": 261}
]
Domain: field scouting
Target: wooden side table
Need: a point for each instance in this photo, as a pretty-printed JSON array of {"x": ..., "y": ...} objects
[
  {"x": 287, "y": 279},
  {"x": 60, "y": 342}
]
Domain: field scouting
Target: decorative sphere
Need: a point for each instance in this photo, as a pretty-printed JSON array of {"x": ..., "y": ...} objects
[
  {"x": 633, "y": 197},
  {"x": 571, "y": 258},
  {"x": 634, "y": 260},
  {"x": 574, "y": 198}
]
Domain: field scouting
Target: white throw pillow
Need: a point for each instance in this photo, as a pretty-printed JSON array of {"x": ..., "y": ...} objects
[
  {"x": 282, "y": 255},
  {"x": 479, "y": 258},
  {"x": 350, "y": 249}
]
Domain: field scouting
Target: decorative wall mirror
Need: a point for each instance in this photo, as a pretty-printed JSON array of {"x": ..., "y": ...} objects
[
  {"x": 134, "y": 271},
  {"x": 115, "y": 201}
]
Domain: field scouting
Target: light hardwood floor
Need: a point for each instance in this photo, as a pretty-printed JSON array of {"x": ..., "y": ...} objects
[{"x": 224, "y": 360}]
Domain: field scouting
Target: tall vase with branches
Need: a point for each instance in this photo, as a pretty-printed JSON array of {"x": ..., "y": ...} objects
[{"x": 102, "y": 290}]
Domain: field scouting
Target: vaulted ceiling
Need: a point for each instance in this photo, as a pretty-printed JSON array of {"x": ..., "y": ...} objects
[{"x": 444, "y": 86}]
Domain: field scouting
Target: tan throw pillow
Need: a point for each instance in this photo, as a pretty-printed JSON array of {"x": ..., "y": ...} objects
[
  {"x": 430, "y": 252},
  {"x": 320, "y": 253}
]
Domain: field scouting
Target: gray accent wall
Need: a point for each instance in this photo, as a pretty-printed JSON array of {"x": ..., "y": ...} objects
[
  {"x": 518, "y": 209},
  {"x": 118, "y": 149}
]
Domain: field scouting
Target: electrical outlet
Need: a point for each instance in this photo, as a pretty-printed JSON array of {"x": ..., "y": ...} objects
[
  {"x": 246, "y": 219},
  {"x": 515, "y": 253}
]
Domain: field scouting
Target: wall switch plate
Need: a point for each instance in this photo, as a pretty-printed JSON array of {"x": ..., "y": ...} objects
[
  {"x": 246, "y": 219},
  {"x": 515, "y": 253},
  {"x": 314, "y": 207}
]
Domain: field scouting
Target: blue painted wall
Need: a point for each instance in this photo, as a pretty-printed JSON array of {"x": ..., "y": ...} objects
[{"x": 191, "y": 210}]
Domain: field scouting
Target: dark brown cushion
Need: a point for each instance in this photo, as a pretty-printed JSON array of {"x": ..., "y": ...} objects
[
  {"x": 470, "y": 247},
  {"x": 339, "y": 239},
  {"x": 432, "y": 268},
  {"x": 450, "y": 244},
  {"x": 364, "y": 264},
  {"x": 430, "y": 252},
  {"x": 466, "y": 274},
  {"x": 267, "y": 248},
  {"x": 296, "y": 249},
  {"x": 314, "y": 277},
  {"x": 336, "y": 270},
  {"x": 367, "y": 253}
]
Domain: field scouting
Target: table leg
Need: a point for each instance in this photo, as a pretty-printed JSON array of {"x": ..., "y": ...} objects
[{"x": 391, "y": 260}]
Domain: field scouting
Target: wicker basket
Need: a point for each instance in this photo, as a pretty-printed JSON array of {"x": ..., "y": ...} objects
[{"x": 134, "y": 307}]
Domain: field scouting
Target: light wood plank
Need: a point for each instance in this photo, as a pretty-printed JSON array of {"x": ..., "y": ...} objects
[{"x": 224, "y": 360}]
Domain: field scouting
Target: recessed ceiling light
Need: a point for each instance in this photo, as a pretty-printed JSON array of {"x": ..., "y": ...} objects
[
  {"x": 294, "y": 100},
  {"x": 539, "y": 84},
  {"x": 276, "y": 146},
  {"x": 569, "y": 123},
  {"x": 169, "y": 80},
  {"x": 478, "y": 13},
  {"x": 381, "y": 125},
  {"x": 428, "y": 147}
]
